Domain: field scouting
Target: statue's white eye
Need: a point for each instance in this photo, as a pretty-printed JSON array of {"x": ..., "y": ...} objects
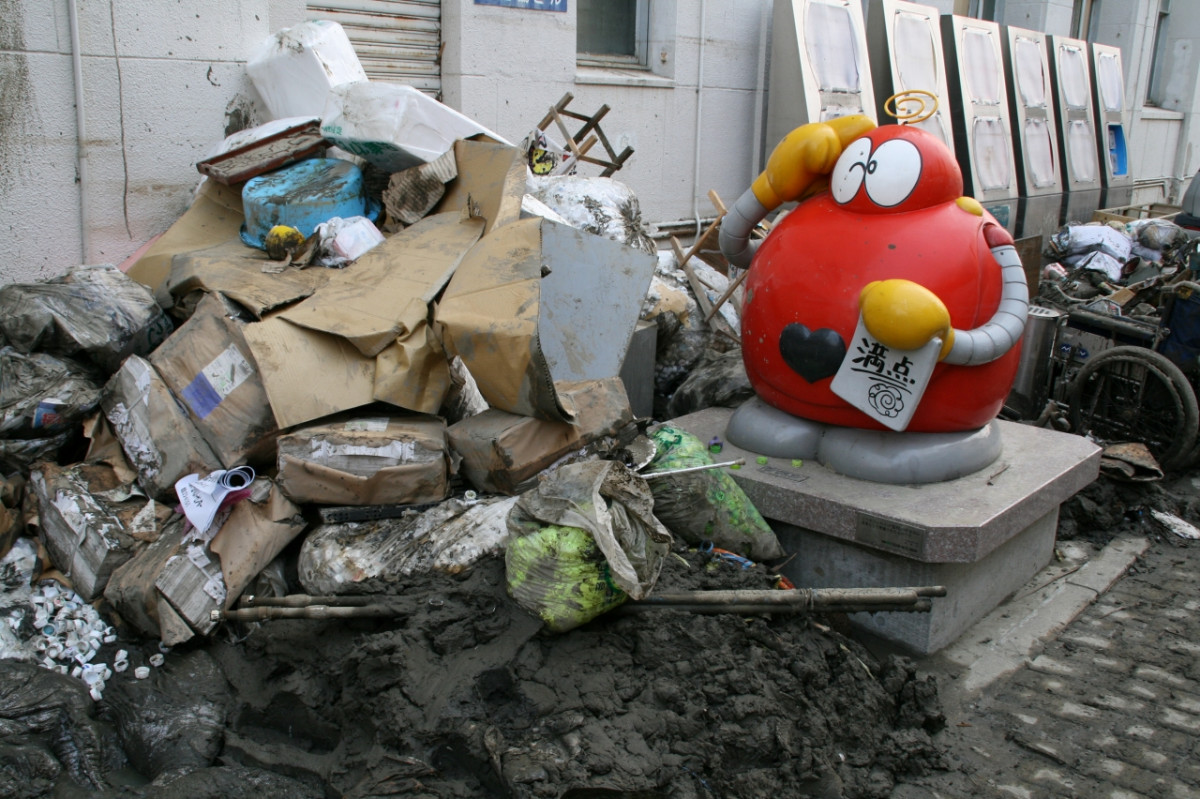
[
  {"x": 849, "y": 171},
  {"x": 892, "y": 172}
]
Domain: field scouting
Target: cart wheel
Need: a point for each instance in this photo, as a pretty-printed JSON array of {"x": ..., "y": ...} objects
[{"x": 1128, "y": 394}]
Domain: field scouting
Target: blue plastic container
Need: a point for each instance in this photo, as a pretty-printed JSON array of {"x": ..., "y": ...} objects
[{"x": 303, "y": 196}]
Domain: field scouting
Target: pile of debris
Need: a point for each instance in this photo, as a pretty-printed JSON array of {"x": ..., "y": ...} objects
[
  {"x": 376, "y": 375},
  {"x": 1119, "y": 268}
]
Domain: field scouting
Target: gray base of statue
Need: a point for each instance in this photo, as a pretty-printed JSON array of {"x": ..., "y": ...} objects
[
  {"x": 982, "y": 535},
  {"x": 881, "y": 456}
]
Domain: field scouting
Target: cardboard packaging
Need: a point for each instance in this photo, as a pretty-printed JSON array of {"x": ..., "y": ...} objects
[
  {"x": 90, "y": 522},
  {"x": 215, "y": 216},
  {"x": 490, "y": 183},
  {"x": 155, "y": 432},
  {"x": 205, "y": 576},
  {"x": 237, "y": 271},
  {"x": 367, "y": 329},
  {"x": 501, "y": 452},
  {"x": 190, "y": 582},
  {"x": 536, "y": 303},
  {"x": 209, "y": 368},
  {"x": 366, "y": 461},
  {"x": 132, "y": 592}
]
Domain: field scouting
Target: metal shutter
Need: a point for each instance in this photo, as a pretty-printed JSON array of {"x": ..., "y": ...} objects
[{"x": 396, "y": 40}]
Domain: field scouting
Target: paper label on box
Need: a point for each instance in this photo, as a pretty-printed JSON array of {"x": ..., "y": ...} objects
[
  {"x": 366, "y": 425},
  {"x": 885, "y": 383},
  {"x": 393, "y": 451},
  {"x": 198, "y": 557},
  {"x": 215, "y": 588},
  {"x": 217, "y": 381}
]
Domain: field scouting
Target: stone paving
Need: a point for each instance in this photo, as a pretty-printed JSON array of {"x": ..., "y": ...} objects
[{"x": 1109, "y": 708}]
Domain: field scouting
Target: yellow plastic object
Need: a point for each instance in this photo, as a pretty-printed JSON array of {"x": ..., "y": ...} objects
[
  {"x": 970, "y": 205},
  {"x": 905, "y": 315},
  {"x": 283, "y": 242},
  {"x": 910, "y": 106},
  {"x": 806, "y": 155}
]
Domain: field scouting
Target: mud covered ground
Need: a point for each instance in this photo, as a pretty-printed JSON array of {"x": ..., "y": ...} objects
[{"x": 465, "y": 696}]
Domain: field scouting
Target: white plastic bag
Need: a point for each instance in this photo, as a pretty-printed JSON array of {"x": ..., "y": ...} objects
[{"x": 343, "y": 241}]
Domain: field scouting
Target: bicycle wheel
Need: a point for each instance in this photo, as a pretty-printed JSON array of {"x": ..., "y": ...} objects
[{"x": 1134, "y": 394}]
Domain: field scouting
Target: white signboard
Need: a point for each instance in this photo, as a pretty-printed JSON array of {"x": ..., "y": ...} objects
[{"x": 885, "y": 383}]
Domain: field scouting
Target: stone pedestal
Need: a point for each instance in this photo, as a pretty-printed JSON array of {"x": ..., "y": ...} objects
[{"x": 982, "y": 536}]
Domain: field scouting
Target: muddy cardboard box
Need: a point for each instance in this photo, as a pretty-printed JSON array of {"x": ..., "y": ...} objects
[
  {"x": 132, "y": 592},
  {"x": 206, "y": 576},
  {"x": 191, "y": 583},
  {"x": 208, "y": 366},
  {"x": 154, "y": 430},
  {"x": 89, "y": 535},
  {"x": 366, "y": 460},
  {"x": 501, "y": 451}
]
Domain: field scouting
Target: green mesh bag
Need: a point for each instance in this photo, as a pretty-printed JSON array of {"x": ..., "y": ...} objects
[{"x": 705, "y": 505}]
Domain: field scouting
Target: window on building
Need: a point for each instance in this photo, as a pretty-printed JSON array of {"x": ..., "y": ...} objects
[
  {"x": 612, "y": 32},
  {"x": 1156, "y": 91}
]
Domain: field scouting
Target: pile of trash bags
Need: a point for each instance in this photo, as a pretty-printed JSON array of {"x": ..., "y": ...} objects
[{"x": 1086, "y": 262}]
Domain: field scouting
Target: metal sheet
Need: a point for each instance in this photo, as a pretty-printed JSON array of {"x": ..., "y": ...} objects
[{"x": 398, "y": 41}]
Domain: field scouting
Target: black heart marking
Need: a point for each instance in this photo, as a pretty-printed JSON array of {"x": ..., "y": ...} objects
[{"x": 812, "y": 355}]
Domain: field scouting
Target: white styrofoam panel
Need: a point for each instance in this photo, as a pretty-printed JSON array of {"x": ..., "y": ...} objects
[
  {"x": 1071, "y": 78},
  {"x": 907, "y": 54},
  {"x": 1033, "y": 113}
]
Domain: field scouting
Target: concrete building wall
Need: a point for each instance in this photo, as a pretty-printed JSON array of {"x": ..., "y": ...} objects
[
  {"x": 164, "y": 80},
  {"x": 505, "y": 67},
  {"x": 161, "y": 82}
]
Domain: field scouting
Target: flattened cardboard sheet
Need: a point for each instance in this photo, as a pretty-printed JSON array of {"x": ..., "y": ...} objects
[
  {"x": 385, "y": 294},
  {"x": 236, "y": 270},
  {"x": 490, "y": 182},
  {"x": 214, "y": 216},
  {"x": 307, "y": 374}
]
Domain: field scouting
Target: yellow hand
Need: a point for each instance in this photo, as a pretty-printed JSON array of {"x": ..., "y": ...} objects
[
  {"x": 806, "y": 154},
  {"x": 905, "y": 315}
]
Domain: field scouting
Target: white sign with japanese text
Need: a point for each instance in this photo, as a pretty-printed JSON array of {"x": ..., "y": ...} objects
[{"x": 882, "y": 382}]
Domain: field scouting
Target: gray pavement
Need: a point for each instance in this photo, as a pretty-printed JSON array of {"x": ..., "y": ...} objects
[{"x": 1085, "y": 684}]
